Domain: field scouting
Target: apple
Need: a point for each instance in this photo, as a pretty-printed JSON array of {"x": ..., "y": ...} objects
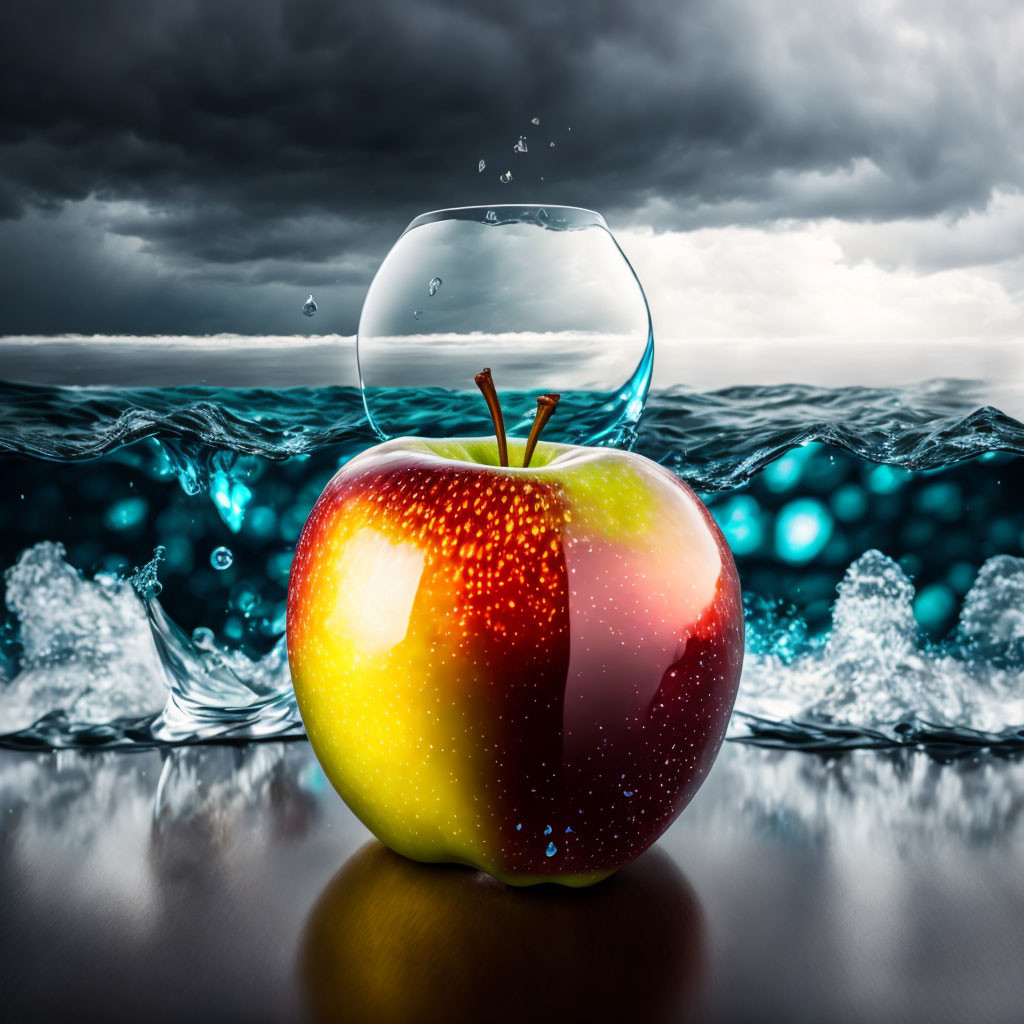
[{"x": 527, "y": 668}]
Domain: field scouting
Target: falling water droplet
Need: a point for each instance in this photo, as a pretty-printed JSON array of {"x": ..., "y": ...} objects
[
  {"x": 417, "y": 313},
  {"x": 505, "y": 178},
  {"x": 491, "y": 217},
  {"x": 480, "y": 166},
  {"x": 221, "y": 558},
  {"x": 520, "y": 146},
  {"x": 202, "y": 638},
  {"x": 534, "y": 120},
  {"x": 551, "y": 145},
  {"x": 309, "y": 307},
  {"x": 547, "y": 830},
  {"x": 519, "y": 828},
  {"x": 627, "y": 792},
  {"x": 435, "y": 283},
  {"x": 551, "y": 850}
]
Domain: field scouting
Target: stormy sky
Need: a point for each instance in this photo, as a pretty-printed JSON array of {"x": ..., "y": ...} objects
[{"x": 772, "y": 169}]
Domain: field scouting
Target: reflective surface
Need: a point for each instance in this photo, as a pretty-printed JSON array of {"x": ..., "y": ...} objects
[
  {"x": 387, "y": 935},
  {"x": 203, "y": 884},
  {"x": 529, "y": 671},
  {"x": 542, "y": 295}
]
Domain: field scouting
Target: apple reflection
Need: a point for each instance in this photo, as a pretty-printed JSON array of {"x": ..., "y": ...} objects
[{"x": 393, "y": 940}]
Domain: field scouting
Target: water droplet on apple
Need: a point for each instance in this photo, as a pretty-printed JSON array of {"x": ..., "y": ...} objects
[
  {"x": 221, "y": 558},
  {"x": 435, "y": 283},
  {"x": 551, "y": 850}
]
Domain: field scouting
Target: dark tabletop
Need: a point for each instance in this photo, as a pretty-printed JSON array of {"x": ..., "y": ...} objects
[{"x": 231, "y": 883}]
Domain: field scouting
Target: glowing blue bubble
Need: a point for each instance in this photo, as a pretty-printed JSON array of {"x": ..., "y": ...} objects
[
  {"x": 739, "y": 519},
  {"x": 943, "y": 499},
  {"x": 785, "y": 472},
  {"x": 125, "y": 514},
  {"x": 802, "y": 529},
  {"x": 551, "y": 850},
  {"x": 934, "y": 605},
  {"x": 886, "y": 479},
  {"x": 547, "y": 830},
  {"x": 849, "y": 503},
  {"x": 961, "y": 576}
]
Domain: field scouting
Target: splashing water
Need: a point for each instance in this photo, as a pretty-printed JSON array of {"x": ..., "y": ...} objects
[
  {"x": 505, "y": 178},
  {"x": 90, "y": 658},
  {"x": 309, "y": 307},
  {"x": 520, "y": 146}
]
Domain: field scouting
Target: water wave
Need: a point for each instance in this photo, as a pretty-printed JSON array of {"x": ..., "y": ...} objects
[{"x": 717, "y": 440}]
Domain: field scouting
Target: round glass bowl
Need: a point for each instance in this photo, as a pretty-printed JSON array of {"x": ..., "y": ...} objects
[{"x": 542, "y": 295}]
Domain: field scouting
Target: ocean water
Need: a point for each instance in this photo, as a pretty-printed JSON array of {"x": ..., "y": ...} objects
[{"x": 148, "y": 531}]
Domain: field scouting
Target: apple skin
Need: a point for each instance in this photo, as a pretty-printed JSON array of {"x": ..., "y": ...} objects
[{"x": 529, "y": 671}]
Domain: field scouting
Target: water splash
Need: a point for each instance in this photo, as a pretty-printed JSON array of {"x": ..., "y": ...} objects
[
  {"x": 505, "y": 178},
  {"x": 520, "y": 146},
  {"x": 102, "y": 663},
  {"x": 309, "y": 307},
  {"x": 875, "y": 675}
]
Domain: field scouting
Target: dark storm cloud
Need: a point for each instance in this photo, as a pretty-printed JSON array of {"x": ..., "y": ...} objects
[{"x": 256, "y": 140}]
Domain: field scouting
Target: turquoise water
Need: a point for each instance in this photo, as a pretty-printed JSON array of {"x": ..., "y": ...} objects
[{"x": 804, "y": 482}]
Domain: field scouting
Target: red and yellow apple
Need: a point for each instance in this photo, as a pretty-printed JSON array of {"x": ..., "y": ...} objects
[{"x": 526, "y": 670}]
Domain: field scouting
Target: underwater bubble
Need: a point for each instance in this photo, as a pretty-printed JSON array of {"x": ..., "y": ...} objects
[
  {"x": 802, "y": 529},
  {"x": 435, "y": 283},
  {"x": 491, "y": 217},
  {"x": 534, "y": 120},
  {"x": 548, "y": 830},
  {"x": 505, "y": 178},
  {"x": 309, "y": 307},
  {"x": 739, "y": 519},
  {"x": 418, "y": 313},
  {"x": 551, "y": 850},
  {"x": 480, "y": 166},
  {"x": 520, "y": 146},
  {"x": 221, "y": 558},
  {"x": 126, "y": 513}
]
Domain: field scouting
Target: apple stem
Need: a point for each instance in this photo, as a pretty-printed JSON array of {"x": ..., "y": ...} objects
[
  {"x": 486, "y": 385},
  {"x": 546, "y": 405}
]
